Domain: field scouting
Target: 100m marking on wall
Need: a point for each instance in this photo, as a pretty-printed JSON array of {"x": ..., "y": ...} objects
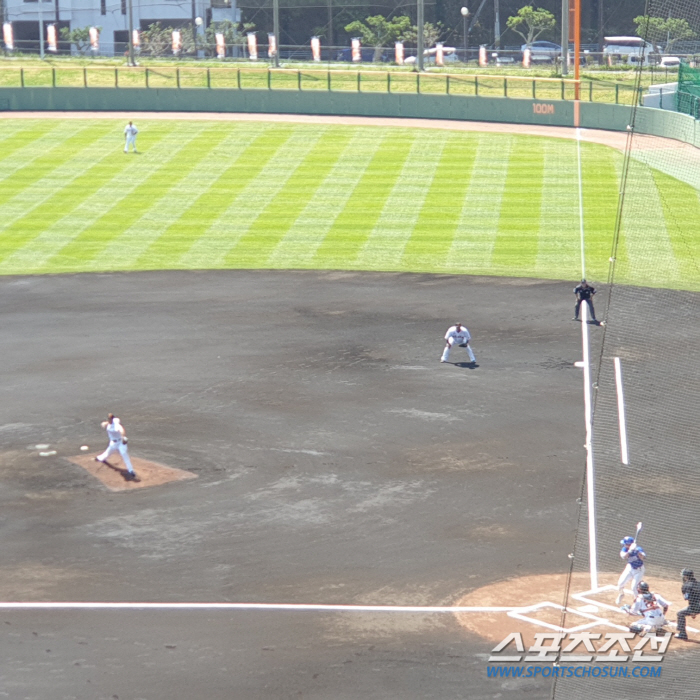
[{"x": 543, "y": 108}]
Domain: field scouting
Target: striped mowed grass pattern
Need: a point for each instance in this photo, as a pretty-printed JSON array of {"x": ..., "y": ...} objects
[{"x": 293, "y": 196}]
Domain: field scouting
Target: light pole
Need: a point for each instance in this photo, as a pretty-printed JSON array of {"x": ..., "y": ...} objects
[
  {"x": 276, "y": 30},
  {"x": 465, "y": 14},
  {"x": 565, "y": 37},
  {"x": 41, "y": 32},
  {"x": 132, "y": 60},
  {"x": 421, "y": 27},
  {"x": 198, "y": 22},
  {"x": 497, "y": 24}
]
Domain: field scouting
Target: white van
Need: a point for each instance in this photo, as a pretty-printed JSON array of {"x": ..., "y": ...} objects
[{"x": 628, "y": 49}]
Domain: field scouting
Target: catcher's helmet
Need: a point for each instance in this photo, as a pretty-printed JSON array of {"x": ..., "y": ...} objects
[
  {"x": 627, "y": 540},
  {"x": 648, "y": 598},
  {"x": 688, "y": 572},
  {"x": 643, "y": 587}
]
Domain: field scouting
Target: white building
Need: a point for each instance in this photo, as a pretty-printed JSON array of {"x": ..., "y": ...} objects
[{"x": 111, "y": 15}]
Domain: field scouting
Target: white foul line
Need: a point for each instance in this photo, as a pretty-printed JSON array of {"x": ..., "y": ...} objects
[
  {"x": 624, "y": 455},
  {"x": 590, "y": 471},
  {"x": 81, "y": 605},
  {"x": 580, "y": 202}
]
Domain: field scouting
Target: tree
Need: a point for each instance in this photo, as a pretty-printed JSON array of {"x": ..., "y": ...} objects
[
  {"x": 78, "y": 37},
  {"x": 235, "y": 33},
  {"x": 432, "y": 33},
  {"x": 530, "y": 22},
  {"x": 378, "y": 31},
  {"x": 659, "y": 30},
  {"x": 156, "y": 40}
]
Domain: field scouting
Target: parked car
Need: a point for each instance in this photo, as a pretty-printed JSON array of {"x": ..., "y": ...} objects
[
  {"x": 670, "y": 62},
  {"x": 543, "y": 51}
]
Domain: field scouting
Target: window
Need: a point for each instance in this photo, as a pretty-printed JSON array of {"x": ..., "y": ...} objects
[
  {"x": 123, "y": 7},
  {"x": 103, "y": 7}
]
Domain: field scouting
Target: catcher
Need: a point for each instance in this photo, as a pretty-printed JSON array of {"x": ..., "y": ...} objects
[{"x": 652, "y": 607}]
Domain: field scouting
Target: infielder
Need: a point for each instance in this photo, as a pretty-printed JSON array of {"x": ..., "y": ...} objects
[
  {"x": 117, "y": 442},
  {"x": 634, "y": 555},
  {"x": 130, "y": 132},
  {"x": 651, "y": 606},
  {"x": 457, "y": 335}
]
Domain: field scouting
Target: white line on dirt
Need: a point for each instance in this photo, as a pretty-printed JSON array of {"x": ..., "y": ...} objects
[
  {"x": 624, "y": 455},
  {"x": 78, "y": 605}
]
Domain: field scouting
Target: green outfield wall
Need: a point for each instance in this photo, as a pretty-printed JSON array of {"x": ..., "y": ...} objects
[{"x": 490, "y": 109}]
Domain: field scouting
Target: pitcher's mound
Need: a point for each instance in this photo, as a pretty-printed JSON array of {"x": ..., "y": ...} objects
[{"x": 115, "y": 477}]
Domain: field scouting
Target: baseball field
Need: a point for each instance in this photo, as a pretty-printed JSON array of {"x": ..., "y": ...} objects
[
  {"x": 263, "y": 303},
  {"x": 208, "y": 195}
]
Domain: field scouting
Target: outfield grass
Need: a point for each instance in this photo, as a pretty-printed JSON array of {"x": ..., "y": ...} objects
[{"x": 262, "y": 195}]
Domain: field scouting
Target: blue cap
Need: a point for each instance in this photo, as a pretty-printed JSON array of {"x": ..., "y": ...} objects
[{"x": 627, "y": 540}]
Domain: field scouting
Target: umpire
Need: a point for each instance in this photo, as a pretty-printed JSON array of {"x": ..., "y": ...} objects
[
  {"x": 584, "y": 292},
  {"x": 691, "y": 592}
]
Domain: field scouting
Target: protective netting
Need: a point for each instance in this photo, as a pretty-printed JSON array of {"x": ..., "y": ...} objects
[
  {"x": 652, "y": 297},
  {"x": 688, "y": 95}
]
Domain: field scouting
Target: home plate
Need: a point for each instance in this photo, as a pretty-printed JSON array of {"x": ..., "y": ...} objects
[{"x": 114, "y": 476}]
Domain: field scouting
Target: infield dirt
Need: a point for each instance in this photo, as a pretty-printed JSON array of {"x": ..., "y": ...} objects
[{"x": 338, "y": 462}]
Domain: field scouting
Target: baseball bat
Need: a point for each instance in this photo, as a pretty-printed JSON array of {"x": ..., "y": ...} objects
[{"x": 636, "y": 534}]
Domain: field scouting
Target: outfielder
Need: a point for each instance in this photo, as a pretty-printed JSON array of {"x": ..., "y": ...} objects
[
  {"x": 634, "y": 555},
  {"x": 457, "y": 335},
  {"x": 117, "y": 442},
  {"x": 130, "y": 132},
  {"x": 651, "y": 606}
]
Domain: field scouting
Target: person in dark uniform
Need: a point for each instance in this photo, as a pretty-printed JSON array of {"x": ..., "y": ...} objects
[
  {"x": 691, "y": 592},
  {"x": 584, "y": 292}
]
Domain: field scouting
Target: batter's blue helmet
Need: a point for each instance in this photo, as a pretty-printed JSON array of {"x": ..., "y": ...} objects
[{"x": 627, "y": 540}]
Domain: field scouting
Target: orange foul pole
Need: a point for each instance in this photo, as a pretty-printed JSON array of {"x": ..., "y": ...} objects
[{"x": 577, "y": 50}]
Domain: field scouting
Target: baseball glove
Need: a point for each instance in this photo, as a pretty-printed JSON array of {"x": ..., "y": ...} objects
[{"x": 463, "y": 345}]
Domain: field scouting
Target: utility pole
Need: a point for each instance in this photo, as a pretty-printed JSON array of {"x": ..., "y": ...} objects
[
  {"x": 465, "y": 14},
  {"x": 41, "y": 31},
  {"x": 497, "y": 24},
  {"x": 421, "y": 27},
  {"x": 194, "y": 24},
  {"x": 276, "y": 30},
  {"x": 132, "y": 59},
  {"x": 330, "y": 24},
  {"x": 565, "y": 37}
]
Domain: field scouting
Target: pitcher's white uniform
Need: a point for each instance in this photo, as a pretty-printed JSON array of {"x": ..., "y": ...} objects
[
  {"x": 457, "y": 335},
  {"x": 130, "y": 132},
  {"x": 652, "y": 607},
  {"x": 115, "y": 432}
]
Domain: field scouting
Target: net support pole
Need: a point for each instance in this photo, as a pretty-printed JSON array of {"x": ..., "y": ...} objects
[{"x": 590, "y": 467}]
